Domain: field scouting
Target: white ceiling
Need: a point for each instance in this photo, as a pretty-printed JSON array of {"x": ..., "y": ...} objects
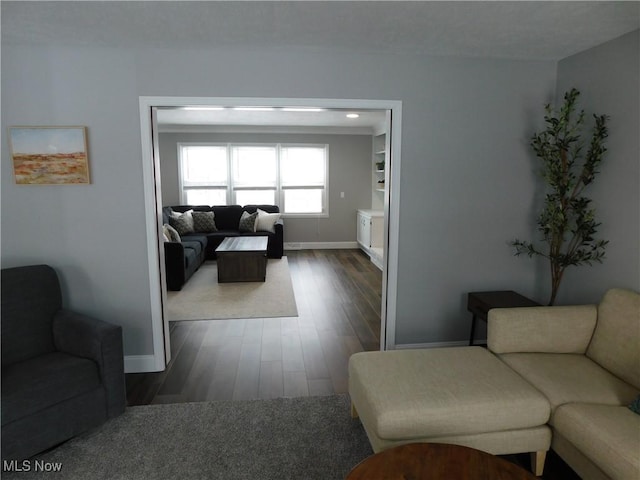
[
  {"x": 528, "y": 30},
  {"x": 515, "y": 30}
]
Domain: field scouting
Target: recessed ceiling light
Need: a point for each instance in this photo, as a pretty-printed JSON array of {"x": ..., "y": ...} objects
[
  {"x": 254, "y": 109},
  {"x": 302, "y": 109},
  {"x": 352, "y": 115}
]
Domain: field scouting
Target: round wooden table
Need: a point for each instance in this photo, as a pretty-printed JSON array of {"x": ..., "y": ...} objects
[{"x": 436, "y": 461}]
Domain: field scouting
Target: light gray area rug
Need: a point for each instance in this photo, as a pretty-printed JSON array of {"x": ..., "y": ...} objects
[
  {"x": 296, "y": 438},
  {"x": 203, "y": 298}
]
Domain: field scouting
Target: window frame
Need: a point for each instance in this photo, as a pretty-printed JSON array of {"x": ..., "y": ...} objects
[
  {"x": 181, "y": 166},
  {"x": 279, "y": 190},
  {"x": 325, "y": 187},
  {"x": 230, "y": 168}
]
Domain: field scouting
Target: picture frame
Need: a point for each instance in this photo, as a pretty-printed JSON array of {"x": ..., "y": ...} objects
[{"x": 49, "y": 155}]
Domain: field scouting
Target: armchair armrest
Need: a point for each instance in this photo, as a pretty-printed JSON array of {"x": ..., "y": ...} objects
[
  {"x": 99, "y": 341},
  {"x": 541, "y": 329}
]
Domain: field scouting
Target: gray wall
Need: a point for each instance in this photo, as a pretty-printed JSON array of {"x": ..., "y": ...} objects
[
  {"x": 608, "y": 78},
  {"x": 349, "y": 172},
  {"x": 466, "y": 183}
]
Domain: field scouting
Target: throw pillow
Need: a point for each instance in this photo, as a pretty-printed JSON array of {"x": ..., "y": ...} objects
[
  {"x": 165, "y": 233},
  {"x": 266, "y": 221},
  {"x": 248, "y": 222},
  {"x": 182, "y": 222},
  {"x": 204, "y": 222},
  {"x": 171, "y": 233},
  {"x": 635, "y": 405}
]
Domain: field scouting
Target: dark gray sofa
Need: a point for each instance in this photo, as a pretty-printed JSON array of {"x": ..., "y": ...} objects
[
  {"x": 62, "y": 372},
  {"x": 183, "y": 258}
]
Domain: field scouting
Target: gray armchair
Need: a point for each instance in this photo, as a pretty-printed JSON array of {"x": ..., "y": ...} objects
[{"x": 62, "y": 372}]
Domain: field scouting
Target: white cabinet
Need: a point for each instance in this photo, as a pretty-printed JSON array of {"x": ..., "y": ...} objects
[
  {"x": 364, "y": 230},
  {"x": 370, "y": 234}
]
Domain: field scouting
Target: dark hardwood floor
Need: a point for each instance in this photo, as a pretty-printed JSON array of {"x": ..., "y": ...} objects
[{"x": 338, "y": 295}]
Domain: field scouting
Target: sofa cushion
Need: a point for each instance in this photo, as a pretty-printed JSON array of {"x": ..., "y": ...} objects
[
  {"x": 227, "y": 216},
  {"x": 191, "y": 256},
  {"x": 37, "y": 383},
  {"x": 196, "y": 246},
  {"x": 440, "y": 392},
  {"x": 166, "y": 213},
  {"x": 222, "y": 234},
  {"x": 186, "y": 208},
  {"x": 615, "y": 341},
  {"x": 265, "y": 208},
  {"x": 30, "y": 298},
  {"x": 607, "y": 435},
  {"x": 566, "y": 329},
  {"x": 565, "y": 378},
  {"x": 200, "y": 238}
]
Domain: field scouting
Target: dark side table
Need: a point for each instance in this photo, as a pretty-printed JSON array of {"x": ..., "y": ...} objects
[{"x": 479, "y": 304}]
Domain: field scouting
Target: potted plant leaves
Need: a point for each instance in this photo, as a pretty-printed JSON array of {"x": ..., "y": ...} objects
[{"x": 567, "y": 220}]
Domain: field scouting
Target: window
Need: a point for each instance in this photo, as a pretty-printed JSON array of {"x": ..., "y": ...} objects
[
  {"x": 254, "y": 174},
  {"x": 303, "y": 175},
  {"x": 203, "y": 174},
  {"x": 294, "y": 177}
]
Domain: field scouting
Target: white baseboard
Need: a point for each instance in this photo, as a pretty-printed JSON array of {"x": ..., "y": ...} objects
[
  {"x": 140, "y": 364},
  {"x": 408, "y": 346},
  {"x": 320, "y": 245}
]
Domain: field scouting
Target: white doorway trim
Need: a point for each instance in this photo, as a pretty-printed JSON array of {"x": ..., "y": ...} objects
[{"x": 153, "y": 209}]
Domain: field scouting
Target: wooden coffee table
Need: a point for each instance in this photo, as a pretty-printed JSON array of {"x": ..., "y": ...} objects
[
  {"x": 436, "y": 461},
  {"x": 242, "y": 259}
]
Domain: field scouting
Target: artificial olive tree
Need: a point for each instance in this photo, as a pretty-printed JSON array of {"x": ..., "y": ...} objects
[{"x": 567, "y": 221}]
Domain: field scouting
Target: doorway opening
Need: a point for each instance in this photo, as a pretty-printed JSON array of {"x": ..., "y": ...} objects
[{"x": 150, "y": 107}]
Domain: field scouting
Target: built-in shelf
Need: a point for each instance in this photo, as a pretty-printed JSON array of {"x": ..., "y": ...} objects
[
  {"x": 370, "y": 230},
  {"x": 379, "y": 160}
]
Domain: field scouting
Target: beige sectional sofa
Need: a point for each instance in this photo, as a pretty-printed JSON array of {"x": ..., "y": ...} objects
[
  {"x": 586, "y": 361},
  {"x": 558, "y": 377}
]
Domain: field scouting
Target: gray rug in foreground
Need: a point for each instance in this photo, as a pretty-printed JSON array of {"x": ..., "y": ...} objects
[{"x": 297, "y": 438}]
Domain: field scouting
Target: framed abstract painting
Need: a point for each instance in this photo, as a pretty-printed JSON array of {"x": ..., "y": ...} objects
[{"x": 49, "y": 155}]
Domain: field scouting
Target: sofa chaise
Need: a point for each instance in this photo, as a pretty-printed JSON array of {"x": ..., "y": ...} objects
[
  {"x": 552, "y": 377},
  {"x": 184, "y": 257}
]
